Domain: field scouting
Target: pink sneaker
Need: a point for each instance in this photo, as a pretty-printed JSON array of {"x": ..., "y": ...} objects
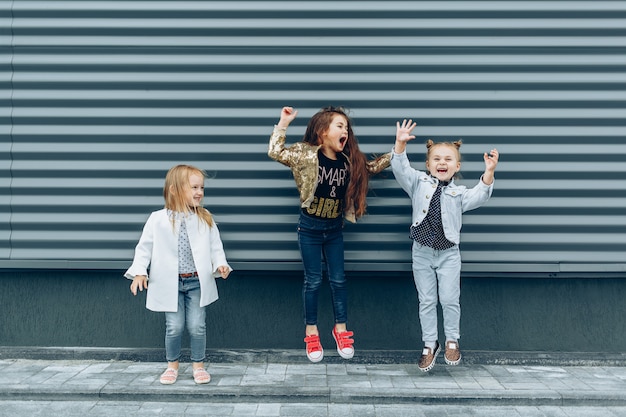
[
  {"x": 314, "y": 350},
  {"x": 344, "y": 343},
  {"x": 169, "y": 376}
]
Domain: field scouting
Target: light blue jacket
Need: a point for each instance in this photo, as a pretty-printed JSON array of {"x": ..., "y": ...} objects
[{"x": 455, "y": 199}]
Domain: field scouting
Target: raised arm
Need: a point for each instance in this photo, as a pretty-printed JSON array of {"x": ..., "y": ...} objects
[
  {"x": 287, "y": 114},
  {"x": 491, "y": 161},
  {"x": 403, "y": 134},
  {"x": 277, "y": 150}
]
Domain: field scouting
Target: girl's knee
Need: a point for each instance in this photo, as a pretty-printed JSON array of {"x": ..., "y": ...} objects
[
  {"x": 174, "y": 330},
  {"x": 197, "y": 330},
  {"x": 312, "y": 284}
]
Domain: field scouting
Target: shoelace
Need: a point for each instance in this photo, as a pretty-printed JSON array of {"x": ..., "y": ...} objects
[{"x": 313, "y": 343}]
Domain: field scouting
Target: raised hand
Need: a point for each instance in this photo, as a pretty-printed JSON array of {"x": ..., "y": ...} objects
[
  {"x": 491, "y": 159},
  {"x": 287, "y": 114},
  {"x": 403, "y": 134},
  {"x": 403, "y": 131}
]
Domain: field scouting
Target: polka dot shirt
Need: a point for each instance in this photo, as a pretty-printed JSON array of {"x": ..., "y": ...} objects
[
  {"x": 430, "y": 231},
  {"x": 186, "y": 264}
]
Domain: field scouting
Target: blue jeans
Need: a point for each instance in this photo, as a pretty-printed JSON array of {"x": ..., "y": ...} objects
[
  {"x": 437, "y": 276},
  {"x": 189, "y": 312},
  {"x": 322, "y": 240}
]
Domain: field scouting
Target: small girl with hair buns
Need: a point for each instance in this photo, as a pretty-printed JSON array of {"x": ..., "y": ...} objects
[{"x": 438, "y": 204}]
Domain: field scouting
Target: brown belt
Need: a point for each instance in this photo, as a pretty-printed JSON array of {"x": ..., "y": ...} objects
[{"x": 189, "y": 275}]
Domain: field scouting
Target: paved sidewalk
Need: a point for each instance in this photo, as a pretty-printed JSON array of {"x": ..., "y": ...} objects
[{"x": 332, "y": 381}]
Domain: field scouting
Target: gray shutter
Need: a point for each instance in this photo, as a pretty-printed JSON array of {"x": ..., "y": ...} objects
[{"x": 101, "y": 98}]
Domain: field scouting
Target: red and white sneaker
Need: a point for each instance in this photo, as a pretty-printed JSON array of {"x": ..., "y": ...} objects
[
  {"x": 314, "y": 350},
  {"x": 344, "y": 343}
]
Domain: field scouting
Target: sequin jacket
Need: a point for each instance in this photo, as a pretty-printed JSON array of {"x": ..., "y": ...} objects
[{"x": 302, "y": 158}]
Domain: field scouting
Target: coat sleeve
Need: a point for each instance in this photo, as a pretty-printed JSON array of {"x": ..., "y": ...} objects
[
  {"x": 218, "y": 256},
  {"x": 143, "y": 251}
]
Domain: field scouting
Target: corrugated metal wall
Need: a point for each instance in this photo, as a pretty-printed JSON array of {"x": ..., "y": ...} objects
[{"x": 100, "y": 98}]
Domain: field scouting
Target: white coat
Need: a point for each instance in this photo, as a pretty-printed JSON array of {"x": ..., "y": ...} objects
[{"x": 158, "y": 250}]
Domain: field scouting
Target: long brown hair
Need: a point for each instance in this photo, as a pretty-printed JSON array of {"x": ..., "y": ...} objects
[
  {"x": 176, "y": 185},
  {"x": 358, "y": 185}
]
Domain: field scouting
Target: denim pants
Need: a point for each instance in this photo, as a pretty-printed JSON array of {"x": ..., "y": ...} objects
[
  {"x": 438, "y": 272},
  {"x": 322, "y": 240},
  {"x": 190, "y": 313}
]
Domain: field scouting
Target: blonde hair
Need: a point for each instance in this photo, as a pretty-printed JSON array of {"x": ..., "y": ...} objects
[
  {"x": 176, "y": 185},
  {"x": 430, "y": 145}
]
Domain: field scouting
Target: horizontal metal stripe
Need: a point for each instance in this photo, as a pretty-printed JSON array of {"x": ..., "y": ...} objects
[
  {"x": 86, "y": 96},
  {"x": 390, "y": 58},
  {"x": 320, "y": 41},
  {"x": 162, "y": 114},
  {"x": 314, "y": 77},
  {"x": 296, "y": 132},
  {"x": 317, "y": 5},
  {"x": 299, "y": 24}
]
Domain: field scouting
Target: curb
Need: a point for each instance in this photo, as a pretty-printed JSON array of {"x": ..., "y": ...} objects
[
  {"x": 294, "y": 356},
  {"x": 263, "y": 394}
]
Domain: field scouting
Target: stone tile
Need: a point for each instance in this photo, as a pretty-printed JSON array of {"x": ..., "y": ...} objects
[
  {"x": 388, "y": 370},
  {"x": 209, "y": 409},
  {"x": 489, "y": 383},
  {"x": 262, "y": 379},
  {"x": 398, "y": 410},
  {"x": 467, "y": 383},
  {"x": 227, "y": 369},
  {"x": 305, "y": 410},
  {"x": 297, "y": 380},
  {"x": 234, "y": 380},
  {"x": 256, "y": 369},
  {"x": 551, "y": 411},
  {"x": 343, "y": 410},
  {"x": 336, "y": 369},
  {"x": 404, "y": 382},
  {"x": 316, "y": 381},
  {"x": 356, "y": 369},
  {"x": 348, "y": 381},
  {"x": 362, "y": 410},
  {"x": 244, "y": 409},
  {"x": 276, "y": 368},
  {"x": 307, "y": 369},
  {"x": 115, "y": 408},
  {"x": 269, "y": 410},
  {"x": 381, "y": 381}
]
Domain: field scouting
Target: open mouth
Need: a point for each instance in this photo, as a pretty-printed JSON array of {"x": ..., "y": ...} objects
[{"x": 343, "y": 140}]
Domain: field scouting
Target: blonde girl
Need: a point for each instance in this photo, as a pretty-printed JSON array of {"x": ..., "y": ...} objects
[{"x": 181, "y": 246}]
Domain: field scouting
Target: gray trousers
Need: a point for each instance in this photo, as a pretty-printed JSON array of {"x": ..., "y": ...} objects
[{"x": 437, "y": 276}]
